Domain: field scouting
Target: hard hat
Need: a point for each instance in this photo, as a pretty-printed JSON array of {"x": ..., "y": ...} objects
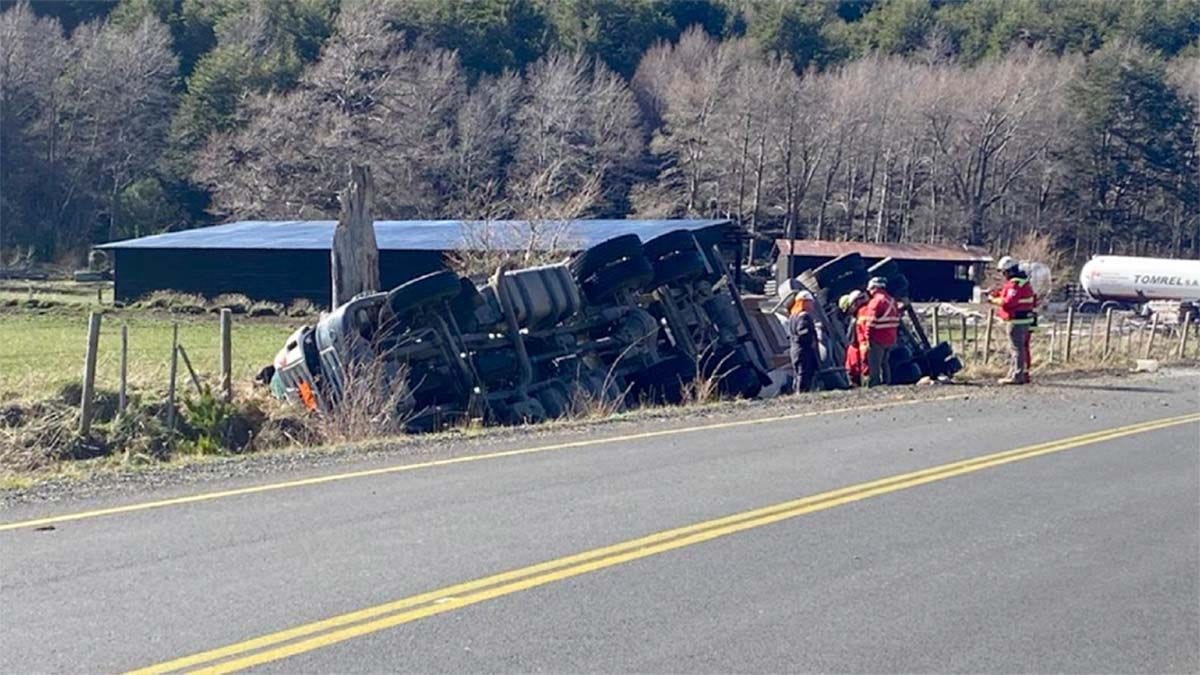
[
  {"x": 877, "y": 282},
  {"x": 856, "y": 296},
  {"x": 1006, "y": 263},
  {"x": 845, "y": 302},
  {"x": 803, "y": 295}
]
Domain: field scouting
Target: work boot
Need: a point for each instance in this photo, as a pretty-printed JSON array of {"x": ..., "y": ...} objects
[{"x": 1010, "y": 380}]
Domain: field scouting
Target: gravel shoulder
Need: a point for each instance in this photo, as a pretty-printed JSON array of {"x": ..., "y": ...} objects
[{"x": 234, "y": 471}]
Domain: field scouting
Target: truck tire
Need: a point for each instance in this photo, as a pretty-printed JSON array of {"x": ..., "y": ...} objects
[
  {"x": 679, "y": 266},
  {"x": 939, "y": 353},
  {"x": 555, "y": 400},
  {"x": 463, "y": 306},
  {"x": 592, "y": 260},
  {"x": 423, "y": 291},
  {"x": 842, "y": 270},
  {"x": 665, "y": 381},
  {"x": 631, "y": 274},
  {"x": 671, "y": 242},
  {"x": 900, "y": 355},
  {"x": 908, "y": 373}
]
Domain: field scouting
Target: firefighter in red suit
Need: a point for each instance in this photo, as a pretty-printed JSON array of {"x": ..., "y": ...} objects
[
  {"x": 1016, "y": 302},
  {"x": 851, "y": 305}
]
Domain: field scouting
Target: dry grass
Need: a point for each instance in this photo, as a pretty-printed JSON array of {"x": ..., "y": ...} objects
[
  {"x": 1127, "y": 344},
  {"x": 374, "y": 404}
]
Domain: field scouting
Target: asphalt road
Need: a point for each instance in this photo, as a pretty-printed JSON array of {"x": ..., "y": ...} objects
[{"x": 1080, "y": 556}]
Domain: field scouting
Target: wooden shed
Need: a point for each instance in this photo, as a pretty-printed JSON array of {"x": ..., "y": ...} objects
[{"x": 935, "y": 273}]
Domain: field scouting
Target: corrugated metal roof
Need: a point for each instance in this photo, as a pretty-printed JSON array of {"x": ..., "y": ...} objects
[
  {"x": 410, "y": 235},
  {"x": 833, "y": 249}
]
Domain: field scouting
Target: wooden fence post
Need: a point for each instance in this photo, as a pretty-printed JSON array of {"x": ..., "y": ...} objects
[
  {"x": 963, "y": 342},
  {"x": 937, "y": 334},
  {"x": 174, "y": 369},
  {"x": 1107, "y": 331},
  {"x": 1150, "y": 338},
  {"x": 123, "y": 388},
  {"x": 1092, "y": 335},
  {"x": 1053, "y": 340},
  {"x": 1183, "y": 334},
  {"x": 88, "y": 392},
  {"x": 226, "y": 354},
  {"x": 987, "y": 335},
  {"x": 975, "y": 339},
  {"x": 187, "y": 363},
  {"x": 1070, "y": 334}
]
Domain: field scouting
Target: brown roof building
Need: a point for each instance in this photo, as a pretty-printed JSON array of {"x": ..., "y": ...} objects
[{"x": 935, "y": 273}]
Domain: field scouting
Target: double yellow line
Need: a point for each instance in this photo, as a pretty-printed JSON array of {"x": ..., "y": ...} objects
[{"x": 316, "y": 635}]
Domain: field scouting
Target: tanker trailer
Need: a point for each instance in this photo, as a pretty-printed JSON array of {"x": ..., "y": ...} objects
[{"x": 1126, "y": 282}]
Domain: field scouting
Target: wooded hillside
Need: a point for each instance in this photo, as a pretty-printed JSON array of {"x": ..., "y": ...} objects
[{"x": 907, "y": 120}]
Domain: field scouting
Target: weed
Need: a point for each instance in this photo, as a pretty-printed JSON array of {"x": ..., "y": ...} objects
[
  {"x": 301, "y": 308},
  {"x": 234, "y": 302},
  {"x": 375, "y": 401},
  {"x": 263, "y": 308}
]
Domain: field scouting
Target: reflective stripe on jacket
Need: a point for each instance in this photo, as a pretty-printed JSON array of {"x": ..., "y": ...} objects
[
  {"x": 1016, "y": 301},
  {"x": 882, "y": 316}
]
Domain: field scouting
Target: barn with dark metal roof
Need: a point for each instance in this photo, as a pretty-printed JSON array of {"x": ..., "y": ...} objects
[{"x": 287, "y": 260}]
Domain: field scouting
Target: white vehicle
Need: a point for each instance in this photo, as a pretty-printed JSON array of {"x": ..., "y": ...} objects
[{"x": 1124, "y": 281}]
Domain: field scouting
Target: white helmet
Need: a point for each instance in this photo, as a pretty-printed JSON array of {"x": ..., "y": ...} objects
[{"x": 1007, "y": 263}]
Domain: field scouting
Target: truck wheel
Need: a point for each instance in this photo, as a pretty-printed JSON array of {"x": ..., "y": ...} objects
[
  {"x": 631, "y": 274},
  {"x": 900, "y": 356},
  {"x": 939, "y": 353},
  {"x": 671, "y": 242},
  {"x": 909, "y": 373},
  {"x": 849, "y": 266},
  {"x": 664, "y": 382},
  {"x": 678, "y": 266},
  {"x": 464, "y": 304},
  {"x": 555, "y": 400},
  {"x": 424, "y": 291},
  {"x": 592, "y": 260}
]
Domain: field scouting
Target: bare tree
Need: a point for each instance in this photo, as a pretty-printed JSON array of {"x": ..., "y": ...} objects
[
  {"x": 985, "y": 127},
  {"x": 368, "y": 98}
]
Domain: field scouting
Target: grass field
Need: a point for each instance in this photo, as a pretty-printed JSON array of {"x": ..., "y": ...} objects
[{"x": 41, "y": 351}]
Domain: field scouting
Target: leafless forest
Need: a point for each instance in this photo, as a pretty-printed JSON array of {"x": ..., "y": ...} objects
[{"x": 1099, "y": 151}]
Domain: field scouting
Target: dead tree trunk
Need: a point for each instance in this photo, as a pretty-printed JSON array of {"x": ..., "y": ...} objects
[{"x": 355, "y": 255}]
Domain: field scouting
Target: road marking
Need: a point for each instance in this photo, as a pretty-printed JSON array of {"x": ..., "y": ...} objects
[
  {"x": 311, "y": 636},
  {"x": 332, "y": 478}
]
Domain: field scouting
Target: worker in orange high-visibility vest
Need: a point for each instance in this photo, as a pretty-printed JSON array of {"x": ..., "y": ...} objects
[
  {"x": 1016, "y": 302},
  {"x": 882, "y": 320}
]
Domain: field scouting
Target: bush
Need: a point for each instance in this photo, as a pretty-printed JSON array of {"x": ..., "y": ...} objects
[
  {"x": 266, "y": 309},
  {"x": 301, "y": 308},
  {"x": 234, "y": 302},
  {"x": 180, "y": 303}
]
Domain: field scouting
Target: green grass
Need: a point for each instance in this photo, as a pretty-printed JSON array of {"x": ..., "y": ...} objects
[
  {"x": 41, "y": 351},
  {"x": 67, "y": 293}
]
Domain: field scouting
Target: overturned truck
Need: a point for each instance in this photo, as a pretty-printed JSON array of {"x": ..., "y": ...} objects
[
  {"x": 915, "y": 355},
  {"x": 623, "y": 321}
]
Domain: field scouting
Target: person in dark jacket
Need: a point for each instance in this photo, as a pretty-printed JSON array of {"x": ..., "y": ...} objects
[{"x": 803, "y": 341}]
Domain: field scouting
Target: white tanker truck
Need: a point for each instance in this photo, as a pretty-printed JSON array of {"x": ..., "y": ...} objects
[{"x": 1127, "y": 282}]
